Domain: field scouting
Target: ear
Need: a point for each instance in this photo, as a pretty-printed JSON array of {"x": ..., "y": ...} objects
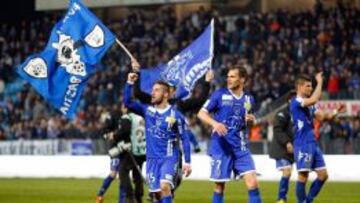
[{"x": 243, "y": 80}]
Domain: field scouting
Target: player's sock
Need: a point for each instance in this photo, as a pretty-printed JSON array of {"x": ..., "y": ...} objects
[
  {"x": 105, "y": 185},
  {"x": 122, "y": 194},
  {"x": 300, "y": 192},
  {"x": 218, "y": 198},
  {"x": 314, "y": 189},
  {"x": 283, "y": 188},
  {"x": 166, "y": 199},
  {"x": 254, "y": 196}
]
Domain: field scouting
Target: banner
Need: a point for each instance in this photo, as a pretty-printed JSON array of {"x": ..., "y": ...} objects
[{"x": 352, "y": 106}]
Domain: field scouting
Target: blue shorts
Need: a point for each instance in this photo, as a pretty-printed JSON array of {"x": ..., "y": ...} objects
[
  {"x": 222, "y": 165},
  {"x": 115, "y": 164},
  {"x": 309, "y": 157},
  {"x": 161, "y": 170},
  {"x": 283, "y": 163}
]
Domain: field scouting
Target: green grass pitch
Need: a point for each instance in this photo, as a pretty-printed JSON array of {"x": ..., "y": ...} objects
[{"x": 84, "y": 190}]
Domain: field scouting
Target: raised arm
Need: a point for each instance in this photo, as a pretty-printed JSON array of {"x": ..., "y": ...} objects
[
  {"x": 194, "y": 104},
  {"x": 139, "y": 94},
  {"x": 315, "y": 97},
  {"x": 134, "y": 106}
]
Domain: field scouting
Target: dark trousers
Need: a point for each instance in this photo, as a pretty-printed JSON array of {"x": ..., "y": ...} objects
[{"x": 130, "y": 163}]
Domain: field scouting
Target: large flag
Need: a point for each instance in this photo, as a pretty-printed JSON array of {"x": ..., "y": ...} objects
[
  {"x": 60, "y": 72},
  {"x": 185, "y": 68}
]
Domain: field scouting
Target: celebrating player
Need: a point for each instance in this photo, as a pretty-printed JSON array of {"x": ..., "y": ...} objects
[
  {"x": 308, "y": 155},
  {"x": 229, "y": 152},
  {"x": 163, "y": 123}
]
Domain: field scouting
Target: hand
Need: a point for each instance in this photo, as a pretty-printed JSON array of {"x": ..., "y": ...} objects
[
  {"x": 220, "y": 129},
  {"x": 319, "y": 77},
  {"x": 209, "y": 76},
  {"x": 132, "y": 77},
  {"x": 289, "y": 148},
  {"x": 186, "y": 169},
  {"x": 135, "y": 65},
  {"x": 250, "y": 118}
]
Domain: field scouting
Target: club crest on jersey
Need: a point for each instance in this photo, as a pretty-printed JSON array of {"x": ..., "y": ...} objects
[
  {"x": 170, "y": 120},
  {"x": 67, "y": 55},
  {"x": 247, "y": 104},
  {"x": 36, "y": 68}
]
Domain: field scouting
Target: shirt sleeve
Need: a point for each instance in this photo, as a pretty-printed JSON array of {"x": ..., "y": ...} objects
[
  {"x": 184, "y": 135},
  {"x": 212, "y": 103},
  {"x": 298, "y": 102},
  {"x": 134, "y": 106}
]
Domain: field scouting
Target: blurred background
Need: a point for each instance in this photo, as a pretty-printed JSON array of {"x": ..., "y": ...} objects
[{"x": 274, "y": 39}]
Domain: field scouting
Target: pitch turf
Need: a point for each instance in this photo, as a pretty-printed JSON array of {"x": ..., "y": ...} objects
[{"x": 84, "y": 190}]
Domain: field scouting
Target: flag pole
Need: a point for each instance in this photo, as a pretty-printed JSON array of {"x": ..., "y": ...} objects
[
  {"x": 125, "y": 49},
  {"x": 132, "y": 58}
]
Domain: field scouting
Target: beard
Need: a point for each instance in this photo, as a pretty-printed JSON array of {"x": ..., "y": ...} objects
[
  {"x": 157, "y": 101},
  {"x": 233, "y": 86}
]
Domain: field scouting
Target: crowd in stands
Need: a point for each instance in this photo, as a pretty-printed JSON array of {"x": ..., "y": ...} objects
[{"x": 273, "y": 46}]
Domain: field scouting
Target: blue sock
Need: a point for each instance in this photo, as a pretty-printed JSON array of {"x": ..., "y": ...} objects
[
  {"x": 166, "y": 199},
  {"x": 105, "y": 185},
  {"x": 283, "y": 188},
  {"x": 300, "y": 192},
  {"x": 122, "y": 194},
  {"x": 254, "y": 196},
  {"x": 314, "y": 190},
  {"x": 218, "y": 198}
]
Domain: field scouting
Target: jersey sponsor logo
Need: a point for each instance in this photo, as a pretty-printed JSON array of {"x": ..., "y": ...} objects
[
  {"x": 227, "y": 100},
  {"x": 227, "y": 97}
]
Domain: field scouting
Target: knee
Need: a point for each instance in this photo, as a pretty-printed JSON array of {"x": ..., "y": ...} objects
[
  {"x": 113, "y": 174},
  {"x": 219, "y": 188},
  {"x": 323, "y": 176},
  {"x": 251, "y": 183},
  {"x": 165, "y": 189},
  {"x": 287, "y": 172}
]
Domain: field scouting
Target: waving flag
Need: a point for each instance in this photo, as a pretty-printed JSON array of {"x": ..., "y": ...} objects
[
  {"x": 60, "y": 72},
  {"x": 185, "y": 68}
]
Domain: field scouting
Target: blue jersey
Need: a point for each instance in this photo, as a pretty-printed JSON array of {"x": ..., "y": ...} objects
[
  {"x": 230, "y": 110},
  {"x": 162, "y": 128},
  {"x": 302, "y": 119}
]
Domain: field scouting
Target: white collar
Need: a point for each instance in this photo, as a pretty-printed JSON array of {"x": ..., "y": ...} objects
[
  {"x": 161, "y": 111},
  {"x": 236, "y": 97}
]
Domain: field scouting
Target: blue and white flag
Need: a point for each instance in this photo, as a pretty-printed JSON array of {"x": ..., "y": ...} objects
[
  {"x": 185, "y": 68},
  {"x": 60, "y": 72}
]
